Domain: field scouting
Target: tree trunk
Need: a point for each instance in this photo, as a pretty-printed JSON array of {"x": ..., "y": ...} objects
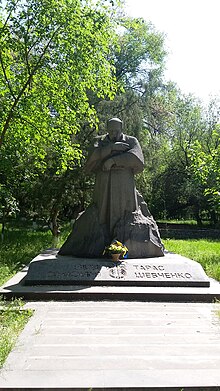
[
  {"x": 214, "y": 219},
  {"x": 53, "y": 221},
  {"x": 3, "y": 225}
]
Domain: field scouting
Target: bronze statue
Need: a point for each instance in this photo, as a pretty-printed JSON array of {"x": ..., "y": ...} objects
[{"x": 118, "y": 210}]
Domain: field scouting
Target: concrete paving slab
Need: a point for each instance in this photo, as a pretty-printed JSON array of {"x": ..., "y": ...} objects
[{"x": 152, "y": 353}]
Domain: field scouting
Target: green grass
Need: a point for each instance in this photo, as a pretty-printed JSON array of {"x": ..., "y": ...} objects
[
  {"x": 12, "y": 320},
  {"x": 18, "y": 248},
  {"x": 21, "y": 245},
  {"x": 181, "y": 221},
  {"x": 204, "y": 251},
  {"x": 187, "y": 222}
]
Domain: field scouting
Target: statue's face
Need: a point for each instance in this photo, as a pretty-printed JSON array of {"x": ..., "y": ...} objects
[{"x": 114, "y": 130}]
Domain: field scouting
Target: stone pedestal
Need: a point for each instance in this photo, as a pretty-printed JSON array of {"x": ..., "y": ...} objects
[{"x": 172, "y": 270}]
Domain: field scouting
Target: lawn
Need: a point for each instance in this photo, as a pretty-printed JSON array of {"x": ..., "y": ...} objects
[
  {"x": 18, "y": 248},
  {"x": 204, "y": 251},
  {"x": 12, "y": 320},
  {"x": 21, "y": 245}
]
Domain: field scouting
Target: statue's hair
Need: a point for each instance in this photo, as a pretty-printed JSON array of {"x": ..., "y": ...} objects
[{"x": 115, "y": 120}]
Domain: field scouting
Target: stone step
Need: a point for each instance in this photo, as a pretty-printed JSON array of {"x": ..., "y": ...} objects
[
  {"x": 125, "y": 362},
  {"x": 106, "y": 352},
  {"x": 152, "y": 350}
]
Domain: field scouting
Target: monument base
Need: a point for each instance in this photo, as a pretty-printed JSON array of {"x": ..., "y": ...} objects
[{"x": 172, "y": 270}]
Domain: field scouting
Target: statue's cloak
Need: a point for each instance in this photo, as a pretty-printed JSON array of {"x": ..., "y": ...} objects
[
  {"x": 118, "y": 210},
  {"x": 115, "y": 191}
]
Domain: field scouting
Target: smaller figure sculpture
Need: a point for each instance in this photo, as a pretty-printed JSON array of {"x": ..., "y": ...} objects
[{"x": 118, "y": 210}]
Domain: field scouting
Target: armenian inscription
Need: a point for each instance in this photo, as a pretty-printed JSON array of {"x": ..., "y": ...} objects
[{"x": 173, "y": 270}]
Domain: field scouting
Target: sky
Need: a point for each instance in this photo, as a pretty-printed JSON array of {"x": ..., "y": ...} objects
[{"x": 192, "y": 29}]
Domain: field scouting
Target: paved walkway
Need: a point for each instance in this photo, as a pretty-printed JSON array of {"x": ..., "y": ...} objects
[{"x": 81, "y": 345}]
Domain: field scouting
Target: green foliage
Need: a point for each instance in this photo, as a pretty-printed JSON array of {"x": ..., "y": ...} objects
[
  {"x": 139, "y": 49},
  {"x": 65, "y": 68},
  {"x": 52, "y": 54},
  {"x": 175, "y": 124},
  {"x": 138, "y": 57},
  {"x": 12, "y": 320},
  {"x": 206, "y": 252},
  {"x": 205, "y": 164},
  {"x": 8, "y": 203}
]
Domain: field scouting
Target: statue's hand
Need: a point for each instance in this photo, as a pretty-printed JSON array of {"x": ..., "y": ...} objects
[
  {"x": 119, "y": 146},
  {"x": 108, "y": 164}
]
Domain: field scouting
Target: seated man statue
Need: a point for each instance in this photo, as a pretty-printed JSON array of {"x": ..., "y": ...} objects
[{"x": 118, "y": 211}]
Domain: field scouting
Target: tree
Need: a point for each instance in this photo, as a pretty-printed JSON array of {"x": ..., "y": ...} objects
[
  {"x": 138, "y": 56},
  {"x": 8, "y": 206},
  {"x": 172, "y": 123},
  {"x": 205, "y": 165},
  {"x": 139, "y": 50},
  {"x": 52, "y": 53}
]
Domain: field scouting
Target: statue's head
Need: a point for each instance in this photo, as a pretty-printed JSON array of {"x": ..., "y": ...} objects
[{"x": 114, "y": 127}]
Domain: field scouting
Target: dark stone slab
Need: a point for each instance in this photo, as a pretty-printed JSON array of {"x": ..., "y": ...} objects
[{"x": 172, "y": 270}]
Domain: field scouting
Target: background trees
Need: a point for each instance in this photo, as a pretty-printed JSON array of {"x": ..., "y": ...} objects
[
  {"x": 52, "y": 55},
  {"x": 65, "y": 68},
  {"x": 205, "y": 166}
]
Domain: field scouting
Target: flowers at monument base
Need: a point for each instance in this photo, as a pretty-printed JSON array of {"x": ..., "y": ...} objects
[{"x": 116, "y": 247}]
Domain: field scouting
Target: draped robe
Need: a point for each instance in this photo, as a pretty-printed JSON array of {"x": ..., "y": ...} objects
[
  {"x": 115, "y": 191},
  {"x": 118, "y": 210}
]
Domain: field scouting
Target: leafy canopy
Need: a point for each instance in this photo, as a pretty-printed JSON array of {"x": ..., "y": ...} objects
[
  {"x": 205, "y": 163},
  {"x": 52, "y": 53}
]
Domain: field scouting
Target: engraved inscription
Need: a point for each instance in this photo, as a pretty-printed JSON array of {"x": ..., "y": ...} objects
[
  {"x": 68, "y": 275},
  {"x": 118, "y": 272},
  {"x": 137, "y": 272},
  {"x": 77, "y": 271},
  {"x": 149, "y": 267},
  {"x": 157, "y": 272},
  {"x": 183, "y": 276}
]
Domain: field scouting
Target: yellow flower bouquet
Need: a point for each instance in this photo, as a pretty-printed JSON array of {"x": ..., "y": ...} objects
[{"x": 116, "y": 247}]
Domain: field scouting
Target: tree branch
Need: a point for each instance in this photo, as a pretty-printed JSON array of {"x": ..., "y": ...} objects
[
  {"x": 26, "y": 49},
  {"x": 5, "y": 75},
  {"x": 7, "y": 19},
  {"x": 31, "y": 123},
  {"x": 156, "y": 130},
  {"x": 126, "y": 107},
  {"x": 35, "y": 68}
]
